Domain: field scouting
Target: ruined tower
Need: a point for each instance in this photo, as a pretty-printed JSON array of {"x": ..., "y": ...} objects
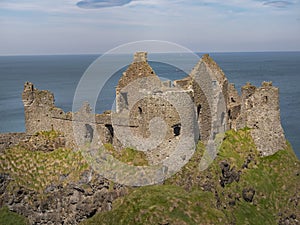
[
  {"x": 210, "y": 95},
  {"x": 141, "y": 99},
  {"x": 260, "y": 111}
]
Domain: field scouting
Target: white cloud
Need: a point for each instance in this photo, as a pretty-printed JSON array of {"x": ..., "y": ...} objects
[
  {"x": 213, "y": 23},
  {"x": 58, "y": 6}
]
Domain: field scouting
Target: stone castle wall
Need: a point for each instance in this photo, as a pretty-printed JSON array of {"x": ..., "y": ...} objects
[
  {"x": 233, "y": 108},
  {"x": 143, "y": 98},
  {"x": 41, "y": 114},
  {"x": 260, "y": 111},
  {"x": 214, "y": 106},
  {"x": 210, "y": 97}
]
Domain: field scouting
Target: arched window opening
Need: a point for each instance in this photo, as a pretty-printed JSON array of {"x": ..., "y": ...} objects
[
  {"x": 140, "y": 110},
  {"x": 176, "y": 130},
  {"x": 229, "y": 114},
  {"x": 222, "y": 117},
  {"x": 110, "y": 130},
  {"x": 198, "y": 110},
  {"x": 89, "y": 133}
]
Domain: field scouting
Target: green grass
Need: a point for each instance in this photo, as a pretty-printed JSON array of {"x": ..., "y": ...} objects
[
  {"x": 49, "y": 135},
  {"x": 35, "y": 170},
  {"x": 188, "y": 197},
  {"x": 275, "y": 182},
  {"x": 273, "y": 178},
  {"x": 128, "y": 155},
  {"x": 162, "y": 204},
  {"x": 10, "y": 218}
]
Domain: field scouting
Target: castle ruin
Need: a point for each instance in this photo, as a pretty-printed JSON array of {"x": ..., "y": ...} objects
[{"x": 207, "y": 102}]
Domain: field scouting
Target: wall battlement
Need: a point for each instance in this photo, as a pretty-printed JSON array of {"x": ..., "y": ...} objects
[{"x": 215, "y": 107}]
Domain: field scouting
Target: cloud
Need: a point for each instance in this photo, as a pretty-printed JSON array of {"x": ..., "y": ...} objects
[
  {"x": 278, "y": 4},
  {"x": 53, "y": 6},
  {"x": 95, "y": 4}
]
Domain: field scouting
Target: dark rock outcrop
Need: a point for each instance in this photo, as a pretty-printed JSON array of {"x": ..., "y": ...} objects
[
  {"x": 229, "y": 175},
  {"x": 4, "y": 181},
  {"x": 248, "y": 194},
  {"x": 63, "y": 205},
  {"x": 288, "y": 220}
]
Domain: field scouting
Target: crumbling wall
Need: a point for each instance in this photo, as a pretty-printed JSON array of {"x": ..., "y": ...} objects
[
  {"x": 176, "y": 111},
  {"x": 150, "y": 107},
  {"x": 141, "y": 97},
  {"x": 233, "y": 108},
  {"x": 41, "y": 114},
  {"x": 210, "y": 88},
  {"x": 138, "y": 76},
  {"x": 260, "y": 111}
]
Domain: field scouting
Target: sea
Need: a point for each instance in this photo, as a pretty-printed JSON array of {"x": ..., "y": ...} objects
[{"x": 61, "y": 74}]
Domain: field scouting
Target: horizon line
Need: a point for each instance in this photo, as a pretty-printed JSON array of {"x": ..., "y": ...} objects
[{"x": 196, "y": 52}]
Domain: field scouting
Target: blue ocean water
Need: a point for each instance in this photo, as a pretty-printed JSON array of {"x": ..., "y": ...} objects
[{"x": 61, "y": 74}]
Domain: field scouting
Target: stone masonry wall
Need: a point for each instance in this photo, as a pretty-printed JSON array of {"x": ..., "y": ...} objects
[
  {"x": 260, "y": 112},
  {"x": 139, "y": 75},
  {"x": 41, "y": 114},
  {"x": 210, "y": 89},
  {"x": 233, "y": 107},
  {"x": 141, "y": 99}
]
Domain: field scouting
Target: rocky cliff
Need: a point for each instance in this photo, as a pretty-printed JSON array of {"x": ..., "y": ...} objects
[
  {"x": 239, "y": 187},
  {"x": 48, "y": 183}
]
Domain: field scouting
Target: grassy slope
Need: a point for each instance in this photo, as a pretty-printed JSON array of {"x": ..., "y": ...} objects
[
  {"x": 183, "y": 199},
  {"x": 10, "y": 218},
  {"x": 189, "y": 197},
  {"x": 36, "y": 170},
  {"x": 162, "y": 204}
]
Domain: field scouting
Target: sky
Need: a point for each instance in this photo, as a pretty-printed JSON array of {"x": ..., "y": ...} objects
[{"x": 96, "y": 26}]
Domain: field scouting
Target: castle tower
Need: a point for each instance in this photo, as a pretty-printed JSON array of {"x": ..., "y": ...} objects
[
  {"x": 141, "y": 99},
  {"x": 260, "y": 112},
  {"x": 37, "y": 106},
  {"x": 210, "y": 88},
  {"x": 138, "y": 76}
]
